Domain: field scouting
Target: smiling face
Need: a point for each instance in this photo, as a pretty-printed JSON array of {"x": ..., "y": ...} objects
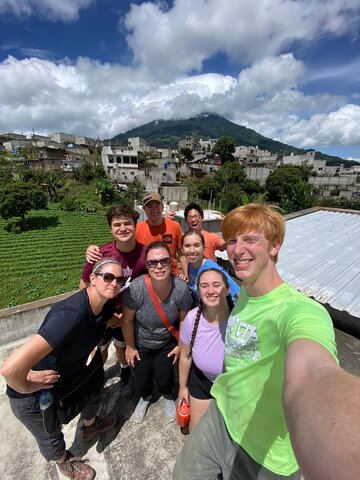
[
  {"x": 158, "y": 271},
  {"x": 194, "y": 220},
  {"x": 212, "y": 289},
  {"x": 154, "y": 211},
  {"x": 252, "y": 257},
  {"x": 193, "y": 249},
  {"x": 123, "y": 229}
]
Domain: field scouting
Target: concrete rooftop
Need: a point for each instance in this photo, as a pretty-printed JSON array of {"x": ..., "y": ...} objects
[{"x": 129, "y": 451}]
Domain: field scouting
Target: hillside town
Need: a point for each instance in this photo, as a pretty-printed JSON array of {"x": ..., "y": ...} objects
[{"x": 164, "y": 167}]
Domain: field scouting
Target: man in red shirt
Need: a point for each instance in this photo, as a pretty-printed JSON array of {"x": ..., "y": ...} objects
[{"x": 130, "y": 254}]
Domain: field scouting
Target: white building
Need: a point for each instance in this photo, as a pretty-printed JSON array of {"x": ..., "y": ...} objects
[
  {"x": 121, "y": 164},
  {"x": 138, "y": 144},
  {"x": 63, "y": 137},
  {"x": 306, "y": 159}
]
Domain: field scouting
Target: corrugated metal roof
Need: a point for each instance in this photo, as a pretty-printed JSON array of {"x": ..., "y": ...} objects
[{"x": 321, "y": 257}]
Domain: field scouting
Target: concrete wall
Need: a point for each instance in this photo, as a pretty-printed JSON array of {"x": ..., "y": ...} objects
[{"x": 24, "y": 320}]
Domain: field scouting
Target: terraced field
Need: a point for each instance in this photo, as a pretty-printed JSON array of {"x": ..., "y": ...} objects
[{"x": 48, "y": 258}]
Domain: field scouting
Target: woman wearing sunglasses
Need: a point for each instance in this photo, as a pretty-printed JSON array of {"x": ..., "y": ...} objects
[
  {"x": 152, "y": 305},
  {"x": 193, "y": 245},
  {"x": 202, "y": 343}
]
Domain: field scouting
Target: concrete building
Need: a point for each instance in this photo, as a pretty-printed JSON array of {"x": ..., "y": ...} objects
[
  {"x": 138, "y": 144},
  {"x": 306, "y": 159},
  {"x": 174, "y": 192},
  {"x": 335, "y": 185},
  {"x": 208, "y": 144},
  {"x": 4, "y": 137},
  {"x": 63, "y": 137},
  {"x": 254, "y": 155},
  {"x": 160, "y": 175},
  {"x": 12, "y": 146},
  {"x": 190, "y": 142},
  {"x": 88, "y": 141},
  {"x": 258, "y": 172},
  {"x": 121, "y": 164}
]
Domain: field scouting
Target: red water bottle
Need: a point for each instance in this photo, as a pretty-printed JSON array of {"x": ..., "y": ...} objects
[{"x": 183, "y": 414}]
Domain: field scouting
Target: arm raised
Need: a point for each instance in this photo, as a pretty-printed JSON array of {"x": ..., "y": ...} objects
[{"x": 321, "y": 404}]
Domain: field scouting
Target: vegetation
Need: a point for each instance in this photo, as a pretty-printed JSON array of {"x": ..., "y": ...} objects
[
  {"x": 225, "y": 147},
  {"x": 167, "y": 133},
  {"x": 47, "y": 259},
  {"x": 227, "y": 188},
  {"x": 287, "y": 186},
  {"x": 18, "y": 198}
]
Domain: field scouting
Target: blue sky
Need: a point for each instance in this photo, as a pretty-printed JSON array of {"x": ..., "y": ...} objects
[{"x": 288, "y": 69}]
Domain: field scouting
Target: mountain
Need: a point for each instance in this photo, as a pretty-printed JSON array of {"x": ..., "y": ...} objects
[{"x": 167, "y": 133}]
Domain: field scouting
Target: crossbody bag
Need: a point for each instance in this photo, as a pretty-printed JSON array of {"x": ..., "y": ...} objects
[{"x": 159, "y": 310}]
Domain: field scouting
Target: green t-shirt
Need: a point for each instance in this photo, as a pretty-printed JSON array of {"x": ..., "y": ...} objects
[{"x": 249, "y": 393}]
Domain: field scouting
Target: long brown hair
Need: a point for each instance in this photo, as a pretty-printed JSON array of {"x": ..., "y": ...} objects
[{"x": 200, "y": 307}]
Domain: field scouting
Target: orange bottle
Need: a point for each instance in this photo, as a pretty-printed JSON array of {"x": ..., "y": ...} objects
[{"x": 183, "y": 414}]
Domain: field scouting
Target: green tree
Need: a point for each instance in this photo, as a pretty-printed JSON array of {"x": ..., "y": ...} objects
[
  {"x": 6, "y": 175},
  {"x": 225, "y": 147},
  {"x": 53, "y": 181},
  {"x": 187, "y": 153},
  {"x": 105, "y": 190},
  {"x": 287, "y": 185},
  {"x": 17, "y": 199},
  {"x": 136, "y": 191}
]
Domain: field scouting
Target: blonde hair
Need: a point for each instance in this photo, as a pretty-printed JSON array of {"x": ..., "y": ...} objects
[{"x": 255, "y": 217}]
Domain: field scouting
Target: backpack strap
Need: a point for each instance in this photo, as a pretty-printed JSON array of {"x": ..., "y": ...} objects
[{"x": 159, "y": 310}]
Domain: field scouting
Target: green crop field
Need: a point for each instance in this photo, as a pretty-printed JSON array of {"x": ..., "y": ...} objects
[{"x": 47, "y": 259}]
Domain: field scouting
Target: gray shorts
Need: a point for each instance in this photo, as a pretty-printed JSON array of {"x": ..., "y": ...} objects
[{"x": 209, "y": 453}]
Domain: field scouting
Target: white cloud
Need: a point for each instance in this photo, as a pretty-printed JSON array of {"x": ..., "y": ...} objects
[
  {"x": 90, "y": 98},
  {"x": 95, "y": 99},
  {"x": 64, "y": 10},
  {"x": 169, "y": 41},
  {"x": 338, "y": 127}
]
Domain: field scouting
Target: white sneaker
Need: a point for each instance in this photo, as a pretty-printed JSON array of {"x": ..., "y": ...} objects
[
  {"x": 140, "y": 410},
  {"x": 169, "y": 409}
]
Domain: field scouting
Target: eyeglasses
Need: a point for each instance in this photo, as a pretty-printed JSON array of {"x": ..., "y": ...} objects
[
  {"x": 110, "y": 277},
  {"x": 164, "y": 262},
  {"x": 193, "y": 217}
]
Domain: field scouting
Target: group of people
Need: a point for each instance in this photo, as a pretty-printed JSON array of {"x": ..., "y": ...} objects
[{"x": 257, "y": 364}]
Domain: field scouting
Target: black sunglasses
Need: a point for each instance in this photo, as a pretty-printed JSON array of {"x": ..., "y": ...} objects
[
  {"x": 164, "y": 262},
  {"x": 110, "y": 277}
]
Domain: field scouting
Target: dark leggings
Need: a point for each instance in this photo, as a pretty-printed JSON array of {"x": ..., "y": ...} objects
[{"x": 155, "y": 364}]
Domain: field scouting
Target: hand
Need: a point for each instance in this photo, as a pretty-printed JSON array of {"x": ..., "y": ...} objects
[
  {"x": 183, "y": 277},
  {"x": 115, "y": 321},
  {"x": 220, "y": 216},
  {"x": 45, "y": 377},
  {"x": 93, "y": 254},
  {"x": 176, "y": 352},
  {"x": 183, "y": 396},
  {"x": 171, "y": 214},
  {"x": 130, "y": 355}
]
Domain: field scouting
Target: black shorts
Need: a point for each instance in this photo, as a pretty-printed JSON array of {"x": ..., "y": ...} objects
[
  {"x": 198, "y": 384},
  {"x": 114, "y": 334}
]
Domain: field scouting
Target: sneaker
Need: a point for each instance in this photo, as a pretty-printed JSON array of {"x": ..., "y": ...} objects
[
  {"x": 101, "y": 424},
  {"x": 126, "y": 382},
  {"x": 75, "y": 468},
  {"x": 140, "y": 410},
  {"x": 169, "y": 409}
]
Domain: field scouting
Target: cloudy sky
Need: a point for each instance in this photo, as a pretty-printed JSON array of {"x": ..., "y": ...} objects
[{"x": 289, "y": 69}]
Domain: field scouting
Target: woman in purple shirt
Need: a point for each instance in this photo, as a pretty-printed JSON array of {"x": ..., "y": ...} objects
[{"x": 202, "y": 343}]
